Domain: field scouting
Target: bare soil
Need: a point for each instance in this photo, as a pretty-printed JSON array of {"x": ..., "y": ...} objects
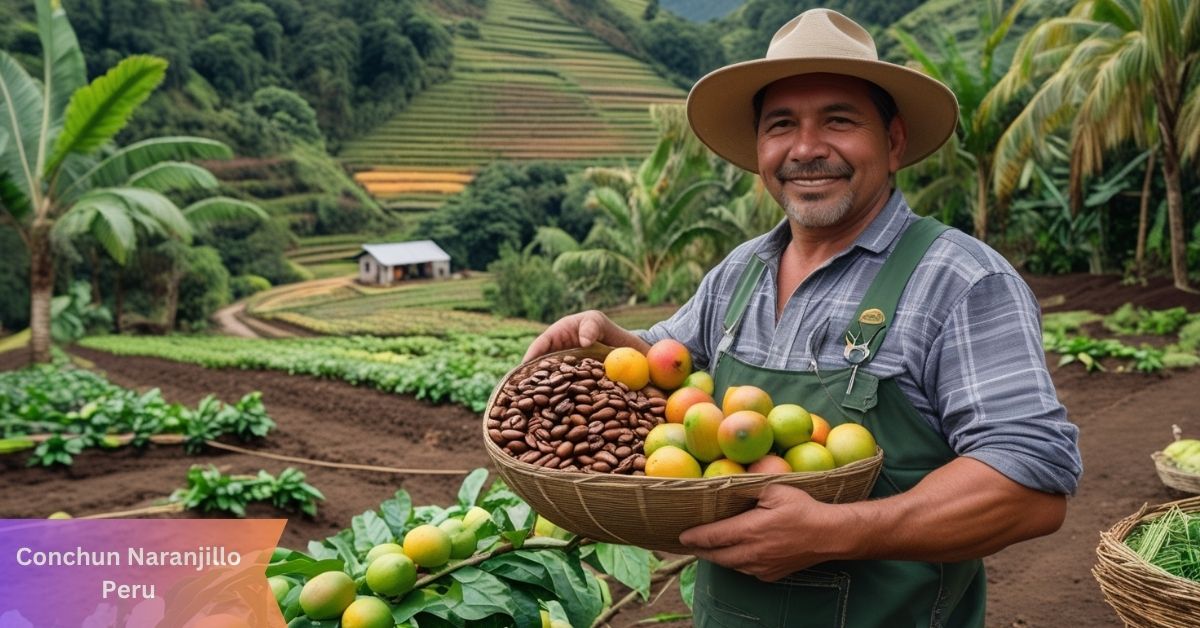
[{"x": 1123, "y": 418}]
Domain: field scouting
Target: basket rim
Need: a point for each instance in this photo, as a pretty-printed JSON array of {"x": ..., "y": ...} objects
[{"x": 1113, "y": 539}]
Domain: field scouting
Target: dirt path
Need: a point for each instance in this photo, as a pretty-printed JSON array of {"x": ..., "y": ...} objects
[{"x": 228, "y": 324}]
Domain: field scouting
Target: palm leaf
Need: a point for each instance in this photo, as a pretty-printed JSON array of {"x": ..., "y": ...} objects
[
  {"x": 63, "y": 67},
  {"x": 552, "y": 242},
  {"x": 614, "y": 206},
  {"x": 21, "y": 119},
  {"x": 156, "y": 208},
  {"x": 220, "y": 209},
  {"x": 652, "y": 168},
  {"x": 98, "y": 111},
  {"x": 117, "y": 168},
  {"x": 106, "y": 217},
  {"x": 168, "y": 176},
  {"x": 12, "y": 199}
]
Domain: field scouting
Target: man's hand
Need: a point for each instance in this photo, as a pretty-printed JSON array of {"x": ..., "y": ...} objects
[
  {"x": 581, "y": 330},
  {"x": 780, "y": 536}
]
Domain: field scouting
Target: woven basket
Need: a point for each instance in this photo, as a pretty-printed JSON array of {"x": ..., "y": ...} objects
[
  {"x": 1142, "y": 594},
  {"x": 1175, "y": 477},
  {"x": 651, "y": 512}
]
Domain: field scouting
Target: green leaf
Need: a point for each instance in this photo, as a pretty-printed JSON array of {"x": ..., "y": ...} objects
[
  {"x": 370, "y": 530},
  {"x": 423, "y": 600},
  {"x": 396, "y": 513},
  {"x": 168, "y": 176},
  {"x": 117, "y": 168},
  {"x": 21, "y": 119},
  {"x": 306, "y": 567},
  {"x": 575, "y": 588},
  {"x": 343, "y": 542},
  {"x": 687, "y": 584},
  {"x": 628, "y": 564},
  {"x": 468, "y": 493},
  {"x": 12, "y": 199},
  {"x": 65, "y": 71},
  {"x": 155, "y": 208},
  {"x": 98, "y": 111},
  {"x": 483, "y": 594},
  {"x": 219, "y": 209}
]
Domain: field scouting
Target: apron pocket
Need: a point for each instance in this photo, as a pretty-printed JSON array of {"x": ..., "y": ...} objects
[{"x": 806, "y": 599}]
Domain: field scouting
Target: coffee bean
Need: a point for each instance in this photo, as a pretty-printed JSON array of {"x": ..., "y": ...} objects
[
  {"x": 544, "y": 458},
  {"x": 604, "y": 456},
  {"x": 512, "y": 434},
  {"x": 493, "y": 424},
  {"x": 601, "y": 466},
  {"x": 583, "y": 409},
  {"x": 530, "y": 456},
  {"x": 584, "y": 459},
  {"x": 595, "y": 427},
  {"x": 623, "y": 452},
  {"x": 639, "y": 462},
  {"x": 525, "y": 404},
  {"x": 565, "y": 449},
  {"x": 517, "y": 447},
  {"x": 581, "y": 447},
  {"x": 542, "y": 400},
  {"x": 577, "y": 433},
  {"x": 604, "y": 414},
  {"x": 558, "y": 431},
  {"x": 565, "y": 406},
  {"x": 497, "y": 436}
]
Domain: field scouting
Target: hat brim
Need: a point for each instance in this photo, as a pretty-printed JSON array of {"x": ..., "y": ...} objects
[{"x": 721, "y": 111}]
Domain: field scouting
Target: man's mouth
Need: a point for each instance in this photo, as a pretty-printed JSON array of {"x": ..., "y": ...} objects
[{"x": 812, "y": 182}]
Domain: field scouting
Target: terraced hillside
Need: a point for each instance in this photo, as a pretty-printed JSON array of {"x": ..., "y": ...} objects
[{"x": 531, "y": 86}]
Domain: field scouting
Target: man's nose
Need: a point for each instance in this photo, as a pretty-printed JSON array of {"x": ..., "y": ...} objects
[{"x": 808, "y": 143}]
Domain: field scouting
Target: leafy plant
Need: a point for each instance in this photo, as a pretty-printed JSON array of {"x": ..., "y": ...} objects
[
  {"x": 208, "y": 489},
  {"x": 1089, "y": 352},
  {"x": 1131, "y": 320}
]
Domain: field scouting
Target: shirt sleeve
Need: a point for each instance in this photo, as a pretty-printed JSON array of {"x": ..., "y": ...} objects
[{"x": 993, "y": 391}]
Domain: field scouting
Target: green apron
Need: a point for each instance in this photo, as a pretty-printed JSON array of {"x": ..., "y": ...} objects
[{"x": 877, "y": 593}]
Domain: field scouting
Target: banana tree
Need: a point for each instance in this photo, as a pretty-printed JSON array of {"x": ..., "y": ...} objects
[{"x": 59, "y": 171}]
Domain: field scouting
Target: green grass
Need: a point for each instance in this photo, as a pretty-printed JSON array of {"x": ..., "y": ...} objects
[
  {"x": 18, "y": 340},
  {"x": 332, "y": 269}
]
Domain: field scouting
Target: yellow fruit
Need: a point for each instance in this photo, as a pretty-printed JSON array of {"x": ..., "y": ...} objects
[
  {"x": 628, "y": 366},
  {"x": 428, "y": 546},
  {"x": 672, "y": 462},
  {"x": 665, "y": 434},
  {"x": 280, "y": 587},
  {"x": 739, "y": 398},
  {"x": 381, "y": 549},
  {"x": 849, "y": 442},
  {"x": 809, "y": 456},
  {"x": 326, "y": 595},
  {"x": 392, "y": 575},
  {"x": 545, "y": 527},
  {"x": 59, "y": 515},
  {"x": 791, "y": 425},
  {"x": 724, "y": 466},
  {"x": 701, "y": 380},
  {"x": 368, "y": 612},
  {"x": 700, "y": 425},
  {"x": 475, "y": 518}
]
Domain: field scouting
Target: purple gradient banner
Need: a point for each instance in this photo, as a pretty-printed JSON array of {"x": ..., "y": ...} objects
[{"x": 168, "y": 573}]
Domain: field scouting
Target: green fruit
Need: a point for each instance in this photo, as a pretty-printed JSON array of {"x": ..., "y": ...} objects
[
  {"x": 381, "y": 549},
  {"x": 59, "y": 515},
  {"x": 545, "y": 527},
  {"x": 1182, "y": 449},
  {"x": 475, "y": 518},
  {"x": 428, "y": 545},
  {"x": 368, "y": 612},
  {"x": 327, "y": 595},
  {"x": 280, "y": 587},
  {"x": 392, "y": 575},
  {"x": 462, "y": 541}
]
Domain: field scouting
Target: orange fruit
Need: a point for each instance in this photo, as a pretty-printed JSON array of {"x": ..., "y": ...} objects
[
  {"x": 745, "y": 436},
  {"x": 672, "y": 462},
  {"x": 769, "y": 463},
  {"x": 724, "y": 466},
  {"x": 682, "y": 399},
  {"x": 739, "y": 398},
  {"x": 700, "y": 425},
  {"x": 628, "y": 366},
  {"x": 665, "y": 434},
  {"x": 820, "y": 429},
  {"x": 670, "y": 363}
]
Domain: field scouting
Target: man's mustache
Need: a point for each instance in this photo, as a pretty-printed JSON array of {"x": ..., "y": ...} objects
[{"x": 818, "y": 169}]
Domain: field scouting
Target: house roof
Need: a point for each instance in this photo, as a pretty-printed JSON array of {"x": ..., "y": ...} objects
[{"x": 400, "y": 253}]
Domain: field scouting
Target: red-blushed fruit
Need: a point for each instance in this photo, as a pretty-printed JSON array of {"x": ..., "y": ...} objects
[
  {"x": 700, "y": 425},
  {"x": 740, "y": 398},
  {"x": 820, "y": 429},
  {"x": 701, "y": 380},
  {"x": 682, "y": 399},
  {"x": 670, "y": 363},
  {"x": 769, "y": 463},
  {"x": 745, "y": 436}
]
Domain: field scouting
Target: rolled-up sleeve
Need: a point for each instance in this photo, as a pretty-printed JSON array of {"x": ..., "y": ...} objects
[{"x": 993, "y": 391}]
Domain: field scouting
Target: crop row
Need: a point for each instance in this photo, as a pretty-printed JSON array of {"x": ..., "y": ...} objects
[
  {"x": 408, "y": 322},
  {"x": 60, "y": 411},
  {"x": 460, "y": 369}
]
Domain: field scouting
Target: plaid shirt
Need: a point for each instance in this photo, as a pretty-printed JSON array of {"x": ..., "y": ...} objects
[{"x": 965, "y": 345}]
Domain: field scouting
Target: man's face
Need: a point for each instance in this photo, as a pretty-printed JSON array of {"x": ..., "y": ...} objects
[{"x": 823, "y": 151}]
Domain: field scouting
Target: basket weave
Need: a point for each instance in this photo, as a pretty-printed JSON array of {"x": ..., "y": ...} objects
[
  {"x": 1175, "y": 477},
  {"x": 1142, "y": 594},
  {"x": 651, "y": 512}
]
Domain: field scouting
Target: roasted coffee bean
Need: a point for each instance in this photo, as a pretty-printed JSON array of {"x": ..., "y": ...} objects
[
  {"x": 584, "y": 459},
  {"x": 639, "y": 462},
  {"x": 605, "y": 383},
  {"x": 641, "y": 432},
  {"x": 545, "y": 447},
  {"x": 581, "y": 447},
  {"x": 623, "y": 416},
  {"x": 611, "y": 425},
  {"x": 542, "y": 433},
  {"x": 601, "y": 402},
  {"x": 570, "y": 359},
  {"x": 543, "y": 372},
  {"x": 552, "y": 463},
  {"x": 525, "y": 404},
  {"x": 542, "y": 400},
  {"x": 493, "y": 424},
  {"x": 555, "y": 379},
  {"x": 562, "y": 387},
  {"x": 547, "y": 413},
  {"x": 519, "y": 423},
  {"x": 512, "y": 434},
  {"x": 602, "y": 467},
  {"x": 583, "y": 409},
  {"x": 609, "y": 447},
  {"x": 497, "y": 436},
  {"x": 623, "y": 452},
  {"x": 595, "y": 427},
  {"x": 581, "y": 398},
  {"x": 531, "y": 440},
  {"x": 565, "y": 406},
  {"x": 604, "y": 456},
  {"x": 596, "y": 441},
  {"x": 570, "y": 467},
  {"x": 512, "y": 412},
  {"x": 625, "y": 438},
  {"x": 626, "y": 466},
  {"x": 530, "y": 456},
  {"x": 558, "y": 431},
  {"x": 544, "y": 458},
  {"x": 565, "y": 449},
  {"x": 566, "y": 368},
  {"x": 618, "y": 404},
  {"x": 604, "y": 414},
  {"x": 517, "y": 447},
  {"x": 587, "y": 384},
  {"x": 598, "y": 372},
  {"x": 496, "y": 412},
  {"x": 578, "y": 419},
  {"x": 578, "y": 389},
  {"x": 611, "y": 435},
  {"x": 577, "y": 433}
]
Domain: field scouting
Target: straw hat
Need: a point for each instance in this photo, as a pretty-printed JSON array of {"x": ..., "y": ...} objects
[{"x": 720, "y": 105}]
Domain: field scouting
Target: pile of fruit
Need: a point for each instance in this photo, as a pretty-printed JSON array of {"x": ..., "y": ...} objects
[
  {"x": 652, "y": 415},
  {"x": 392, "y": 570}
]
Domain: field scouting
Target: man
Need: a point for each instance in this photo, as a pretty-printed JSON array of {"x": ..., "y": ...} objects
[{"x": 857, "y": 309}]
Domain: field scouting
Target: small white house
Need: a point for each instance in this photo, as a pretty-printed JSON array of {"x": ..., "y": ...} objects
[{"x": 387, "y": 264}]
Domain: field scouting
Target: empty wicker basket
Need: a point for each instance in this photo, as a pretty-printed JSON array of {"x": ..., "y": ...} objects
[
  {"x": 651, "y": 512},
  {"x": 1144, "y": 595}
]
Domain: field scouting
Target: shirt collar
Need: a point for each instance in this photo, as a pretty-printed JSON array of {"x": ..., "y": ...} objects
[{"x": 876, "y": 238}]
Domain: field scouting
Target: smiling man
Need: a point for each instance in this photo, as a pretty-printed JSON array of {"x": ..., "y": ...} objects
[{"x": 858, "y": 309}]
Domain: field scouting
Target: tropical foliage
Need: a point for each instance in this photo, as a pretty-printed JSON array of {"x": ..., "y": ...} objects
[
  {"x": 60, "y": 175},
  {"x": 1112, "y": 72}
]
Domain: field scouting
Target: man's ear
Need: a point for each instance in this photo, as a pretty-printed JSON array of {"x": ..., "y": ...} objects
[{"x": 897, "y": 142}]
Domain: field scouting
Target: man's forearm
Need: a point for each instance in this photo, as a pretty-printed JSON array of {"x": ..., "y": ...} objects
[{"x": 961, "y": 511}]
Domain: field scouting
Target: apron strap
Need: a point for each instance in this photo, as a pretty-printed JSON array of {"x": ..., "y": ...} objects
[
  {"x": 869, "y": 324},
  {"x": 737, "y": 306}
]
